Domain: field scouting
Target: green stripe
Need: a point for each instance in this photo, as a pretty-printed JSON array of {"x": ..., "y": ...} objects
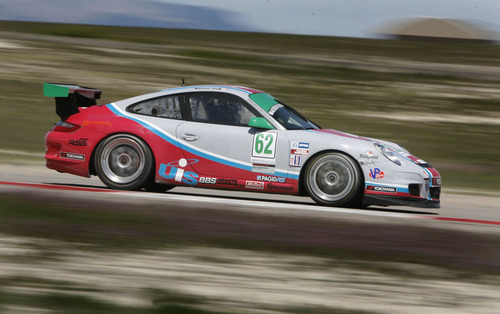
[
  {"x": 265, "y": 101},
  {"x": 53, "y": 90}
]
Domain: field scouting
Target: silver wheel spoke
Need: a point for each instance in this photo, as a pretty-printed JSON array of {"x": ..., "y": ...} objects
[
  {"x": 122, "y": 160},
  {"x": 332, "y": 177}
]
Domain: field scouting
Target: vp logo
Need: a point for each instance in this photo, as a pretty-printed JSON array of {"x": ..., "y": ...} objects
[
  {"x": 173, "y": 171},
  {"x": 376, "y": 173}
]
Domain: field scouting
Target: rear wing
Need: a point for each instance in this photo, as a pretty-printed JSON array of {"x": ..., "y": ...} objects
[{"x": 69, "y": 97}]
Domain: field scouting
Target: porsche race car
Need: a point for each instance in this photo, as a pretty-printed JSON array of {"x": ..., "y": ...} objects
[{"x": 228, "y": 137}]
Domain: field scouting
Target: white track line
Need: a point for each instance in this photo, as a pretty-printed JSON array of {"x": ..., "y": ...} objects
[{"x": 264, "y": 204}]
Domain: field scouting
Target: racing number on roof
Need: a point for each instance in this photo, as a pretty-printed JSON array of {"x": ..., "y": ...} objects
[{"x": 264, "y": 145}]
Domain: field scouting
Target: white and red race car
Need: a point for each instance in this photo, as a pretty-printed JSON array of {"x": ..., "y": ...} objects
[{"x": 228, "y": 137}]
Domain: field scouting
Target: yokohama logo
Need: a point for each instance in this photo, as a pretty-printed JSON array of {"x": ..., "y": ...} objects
[
  {"x": 254, "y": 185},
  {"x": 80, "y": 157},
  {"x": 385, "y": 189}
]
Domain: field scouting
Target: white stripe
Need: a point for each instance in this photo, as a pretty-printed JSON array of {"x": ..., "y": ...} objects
[
  {"x": 239, "y": 202},
  {"x": 195, "y": 148}
]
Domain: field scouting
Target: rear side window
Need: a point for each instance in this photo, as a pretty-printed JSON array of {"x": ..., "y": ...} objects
[{"x": 164, "y": 107}]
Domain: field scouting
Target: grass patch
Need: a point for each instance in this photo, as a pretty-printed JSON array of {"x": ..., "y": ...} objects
[{"x": 64, "y": 302}]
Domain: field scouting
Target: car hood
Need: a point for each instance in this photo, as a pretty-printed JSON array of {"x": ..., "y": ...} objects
[{"x": 396, "y": 148}]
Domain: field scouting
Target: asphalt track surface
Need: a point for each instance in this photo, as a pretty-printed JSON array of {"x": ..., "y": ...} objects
[
  {"x": 458, "y": 209},
  {"x": 268, "y": 279}
]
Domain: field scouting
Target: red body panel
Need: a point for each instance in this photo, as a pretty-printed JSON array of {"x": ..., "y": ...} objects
[{"x": 73, "y": 152}]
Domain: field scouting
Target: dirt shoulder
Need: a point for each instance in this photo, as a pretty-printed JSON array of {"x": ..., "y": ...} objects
[{"x": 63, "y": 252}]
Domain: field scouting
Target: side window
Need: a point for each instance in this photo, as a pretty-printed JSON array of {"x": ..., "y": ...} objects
[
  {"x": 220, "y": 108},
  {"x": 164, "y": 107}
]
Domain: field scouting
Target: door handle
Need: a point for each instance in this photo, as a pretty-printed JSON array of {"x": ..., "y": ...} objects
[{"x": 190, "y": 137}]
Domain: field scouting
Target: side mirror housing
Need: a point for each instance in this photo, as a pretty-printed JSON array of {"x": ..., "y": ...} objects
[{"x": 260, "y": 123}]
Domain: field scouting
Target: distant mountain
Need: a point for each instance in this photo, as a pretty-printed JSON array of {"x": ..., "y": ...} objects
[{"x": 138, "y": 13}]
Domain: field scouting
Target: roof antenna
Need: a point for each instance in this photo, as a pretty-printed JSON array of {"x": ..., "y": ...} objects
[{"x": 183, "y": 83}]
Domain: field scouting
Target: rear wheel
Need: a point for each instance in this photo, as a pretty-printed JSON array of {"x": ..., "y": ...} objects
[
  {"x": 124, "y": 162},
  {"x": 334, "y": 179}
]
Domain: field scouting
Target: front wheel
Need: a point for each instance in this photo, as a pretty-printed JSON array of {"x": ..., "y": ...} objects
[
  {"x": 124, "y": 162},
  {"x": 334, "y": 179}
]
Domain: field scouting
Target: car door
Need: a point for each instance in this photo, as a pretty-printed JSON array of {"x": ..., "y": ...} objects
[{"x": 219, "y": 143}]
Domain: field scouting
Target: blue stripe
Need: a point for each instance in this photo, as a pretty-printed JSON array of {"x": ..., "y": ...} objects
[
  {"x": 192, "y": 150},
  {"x": 144, "y": 124}
]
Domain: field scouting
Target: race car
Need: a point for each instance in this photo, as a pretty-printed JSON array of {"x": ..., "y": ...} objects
[{"x": 228, "y": 137}]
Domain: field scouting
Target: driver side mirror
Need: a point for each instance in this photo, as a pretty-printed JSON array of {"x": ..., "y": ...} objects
[{"x": 260, "y": 123}]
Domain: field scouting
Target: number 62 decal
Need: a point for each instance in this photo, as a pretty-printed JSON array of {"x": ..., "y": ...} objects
[{"x": 264, "y": 145}]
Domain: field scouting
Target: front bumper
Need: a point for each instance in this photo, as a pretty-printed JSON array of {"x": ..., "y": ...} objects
[
  {"x": 388, "y": 200},
  {"x": 411, "y": 190}
]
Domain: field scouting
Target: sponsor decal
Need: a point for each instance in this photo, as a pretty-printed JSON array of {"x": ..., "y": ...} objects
[
  {"x": 81, "y": 142},
  {"x": 300, "y": 145},
  {"x": 264, "y": 145},
  {"x": 385, "y": 189},
  {"x": 376, "y": 173},
  {"x": 73, "y": 156},
  {"x": 263, "y": 169},
  {"x": 295, "y": 160},
  {"x": 207, "y": 180},
  {"x": 274, "y": 109},
  {"x": 173, "y": 171},
  {"x": 279, "y": 188},
  {"x": 368, "y": 155},
  {"x": 263, "y": 161},
  {"x": 227, "y": 181},
  {"x": 254, "y": 185},
  {"x": 89, "y": 122},
  {"x": 210, "y": 88},
  {"x": 271, "y": 179},
  {"x": 299, "y": 151}
]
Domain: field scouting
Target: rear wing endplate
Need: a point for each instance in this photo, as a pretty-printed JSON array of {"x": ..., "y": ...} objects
[{"x": 69, "y": 97}]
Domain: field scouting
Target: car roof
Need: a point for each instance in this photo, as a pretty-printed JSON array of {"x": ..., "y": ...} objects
[
  {"x": 232, "y": 88},
  {"x": 244, "y": 92}
]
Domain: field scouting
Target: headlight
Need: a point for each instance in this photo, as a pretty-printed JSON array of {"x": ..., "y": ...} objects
[{"x": 384, "y": 150}]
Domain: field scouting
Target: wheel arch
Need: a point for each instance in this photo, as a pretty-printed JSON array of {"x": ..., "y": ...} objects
[
  {"x": 92, "y": 170},
  {"x": 302, "y": 187}
]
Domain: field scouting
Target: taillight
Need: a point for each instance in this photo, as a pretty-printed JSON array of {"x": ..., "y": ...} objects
[{"x": 62, "y": 126}]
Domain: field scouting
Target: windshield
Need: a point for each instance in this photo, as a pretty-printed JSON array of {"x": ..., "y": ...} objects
[{"x": 288, "y": 117}]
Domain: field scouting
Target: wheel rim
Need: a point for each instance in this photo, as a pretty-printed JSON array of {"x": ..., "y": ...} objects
[
  {"x": 332, "y": 178},
  {"x": 122, "y": 160}
]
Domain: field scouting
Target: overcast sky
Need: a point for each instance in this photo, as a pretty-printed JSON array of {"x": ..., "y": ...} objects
[{"x": 351, "y": 18}]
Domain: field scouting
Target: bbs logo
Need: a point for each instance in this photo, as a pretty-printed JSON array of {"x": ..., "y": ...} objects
[{"x": 207, "y": 180}]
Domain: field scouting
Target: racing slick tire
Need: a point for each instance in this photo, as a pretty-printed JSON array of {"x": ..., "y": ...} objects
[
  {"x": 334, "y": 179},
  {"x": 124, "y": 162}
]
